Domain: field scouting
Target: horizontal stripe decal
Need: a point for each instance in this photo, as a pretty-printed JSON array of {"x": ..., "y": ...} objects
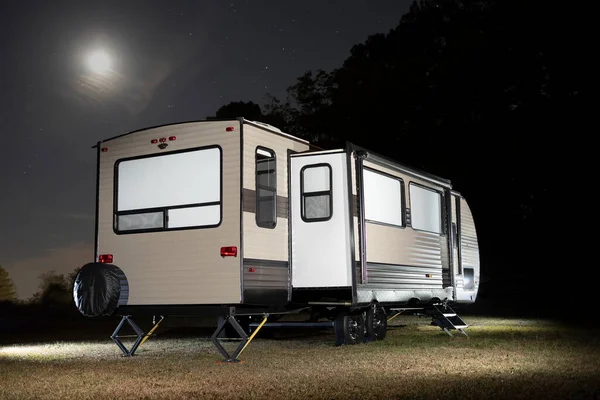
[
  {"x": 264, "y": 263},
  {"x": 249, "y": 205}
]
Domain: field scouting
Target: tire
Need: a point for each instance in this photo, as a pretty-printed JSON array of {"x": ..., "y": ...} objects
[
  {"x": 97, "y": 289},
  {"x": 349, "y": 329},
  {"x": 376, "y": 323}
]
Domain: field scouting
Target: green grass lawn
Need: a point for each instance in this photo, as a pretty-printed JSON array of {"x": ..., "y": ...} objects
[{"x": 502, "y": 358}]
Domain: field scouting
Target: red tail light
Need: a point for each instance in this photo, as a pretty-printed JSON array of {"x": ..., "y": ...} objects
[
  {"x": 229, "y": 251},
  {"x": 229, "y": 129},
  {"x": 105, "y": 258}
]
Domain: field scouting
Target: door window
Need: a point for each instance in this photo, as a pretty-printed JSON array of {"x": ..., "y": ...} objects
[{"x": 315, "y": 193}]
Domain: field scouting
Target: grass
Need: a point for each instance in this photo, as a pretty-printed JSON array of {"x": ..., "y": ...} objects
[{"x": 502, "y": 358}]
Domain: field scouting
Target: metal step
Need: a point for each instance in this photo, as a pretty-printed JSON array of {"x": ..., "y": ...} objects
[{"x": 447, "y": 319}]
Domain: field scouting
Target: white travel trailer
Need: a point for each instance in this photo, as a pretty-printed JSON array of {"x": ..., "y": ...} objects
[{"x": 238, "y": 218}]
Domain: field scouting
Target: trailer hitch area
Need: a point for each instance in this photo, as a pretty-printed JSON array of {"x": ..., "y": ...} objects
[{"x": 244, "y": 342}]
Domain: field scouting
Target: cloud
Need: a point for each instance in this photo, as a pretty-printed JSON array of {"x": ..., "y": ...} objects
[
  {"x": 25, "y": 273},
  {"x": 132, "y": 93}
]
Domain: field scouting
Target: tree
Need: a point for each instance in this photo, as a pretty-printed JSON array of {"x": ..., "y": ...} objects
[
  {"x": 237, "y": 109},
  {"x": 7, "y": 287},
  {"x": 308, "y": 107},
  {"x": 472, "y": 90},
  {"x": 54, "y": 288}
]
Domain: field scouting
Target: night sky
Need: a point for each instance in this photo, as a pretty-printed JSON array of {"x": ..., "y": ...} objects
[{"x": 170, "y": 61}]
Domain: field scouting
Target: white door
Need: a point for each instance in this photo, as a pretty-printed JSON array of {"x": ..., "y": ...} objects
[{"x": 320, "y": 218}]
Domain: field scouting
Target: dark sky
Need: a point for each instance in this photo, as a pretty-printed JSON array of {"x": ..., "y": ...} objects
[{"x": 171, "y": 61}]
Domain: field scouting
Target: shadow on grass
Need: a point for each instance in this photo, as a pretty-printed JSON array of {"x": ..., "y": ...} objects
[
  {"x": 453, "y": 385},
  {"x": 48, "y": 324},
  {"x": 41, "y": 324}
]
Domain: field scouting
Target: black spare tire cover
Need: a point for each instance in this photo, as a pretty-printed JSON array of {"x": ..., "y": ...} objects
[{"x": 97, "y": 289}]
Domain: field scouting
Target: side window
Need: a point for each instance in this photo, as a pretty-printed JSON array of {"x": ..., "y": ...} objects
[
  {"x": 383, "y": 198},
  {"x": 266, "y": 188},
  {"x": 426, "y": 209},
  {"x": 315, "y": 193}
]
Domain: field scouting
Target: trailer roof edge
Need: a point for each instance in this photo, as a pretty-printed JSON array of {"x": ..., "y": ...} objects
[
  {"x": 258, "y": 124},
  {"x": 393, "y": 164}
]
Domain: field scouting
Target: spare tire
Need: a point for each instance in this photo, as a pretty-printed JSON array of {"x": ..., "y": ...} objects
[{"x": 97, "y": 289}]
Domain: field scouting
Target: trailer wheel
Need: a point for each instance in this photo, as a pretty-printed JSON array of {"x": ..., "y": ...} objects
[
  {"x": 376, "y": 323},
  {"x": 349, "y": 329}
]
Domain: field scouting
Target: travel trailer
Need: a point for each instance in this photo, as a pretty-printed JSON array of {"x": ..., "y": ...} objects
[{"x": 234, "y": 217}]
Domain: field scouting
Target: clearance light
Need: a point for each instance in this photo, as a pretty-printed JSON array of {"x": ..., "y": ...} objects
[
  {"x": 154, "y": 141},
  {"x": 229, "y": 129},
  {"x": 251, "y": 269},
  {"x": 104, "y": 149},
  {"x": 229, "y": 251},
  {"x": 162, "y": 139},
  {"x": 105, "y": 258},
  {"x": 172, "y": 138}
]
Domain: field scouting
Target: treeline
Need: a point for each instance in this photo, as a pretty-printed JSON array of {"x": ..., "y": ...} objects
[
  {"x": 53, "y": 289},
  {"x": 487, "y": 93}
]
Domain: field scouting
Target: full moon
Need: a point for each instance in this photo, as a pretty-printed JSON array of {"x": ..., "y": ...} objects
[{"x": 99, "y": 62}]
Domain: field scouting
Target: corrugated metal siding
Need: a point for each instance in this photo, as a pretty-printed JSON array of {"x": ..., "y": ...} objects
[
  {"x": 265, "y": 276},
  {"x": 469, "y": 244},
  {"x": 176, "y": 267},
  {"x": 264, "y": 243},
  {"x": 444, "y": 249},
  {"x": 403, "y": 277},
  {"x": 391, "y": 245},
  {"x": 401, "y": 257},
  {"x": 445, "y": 261}
]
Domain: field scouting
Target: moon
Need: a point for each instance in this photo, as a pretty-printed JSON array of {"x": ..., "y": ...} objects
[{"x": 99, "y": 62}]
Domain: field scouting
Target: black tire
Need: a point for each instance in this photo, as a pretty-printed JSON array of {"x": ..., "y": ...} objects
[
  {"x": 349, "y": 329},
  {"x": 97, "y": 289},
  {"x": 376, "y": 323}
]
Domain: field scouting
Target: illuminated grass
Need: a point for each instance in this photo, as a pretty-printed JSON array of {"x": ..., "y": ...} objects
[{"x": 502, "y": 358}]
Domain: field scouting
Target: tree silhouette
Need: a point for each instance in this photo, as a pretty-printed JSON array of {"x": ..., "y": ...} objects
[
  {"x": 236, "y": 109},
  {"x": 7, "y": 287},
  {"x": 473, "y": 90},
  {"x": 54, "y": 288}
]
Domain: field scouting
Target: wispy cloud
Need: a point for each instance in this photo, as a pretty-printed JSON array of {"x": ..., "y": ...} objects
[{"x": 131, "y": 93}]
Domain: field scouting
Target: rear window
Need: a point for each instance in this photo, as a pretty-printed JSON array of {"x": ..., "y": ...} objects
[{"x": 167, "y": 191}]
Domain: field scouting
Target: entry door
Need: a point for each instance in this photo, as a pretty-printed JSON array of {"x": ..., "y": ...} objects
[{"x": 320, "y": 220}]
